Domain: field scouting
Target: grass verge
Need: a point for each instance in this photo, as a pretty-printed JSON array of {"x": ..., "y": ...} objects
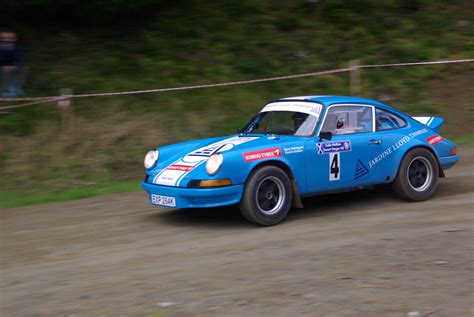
[
  {"x": 464, "y": 140},
  {"x": 11, "y": 199}
]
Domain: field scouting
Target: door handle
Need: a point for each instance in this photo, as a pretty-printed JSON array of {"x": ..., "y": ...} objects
[{"x": 375, "y": 142}]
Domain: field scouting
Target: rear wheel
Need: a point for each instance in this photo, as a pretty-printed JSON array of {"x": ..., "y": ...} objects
[
  {"x": 267, "y": 196},
  {"x": 417, "y": 176}
]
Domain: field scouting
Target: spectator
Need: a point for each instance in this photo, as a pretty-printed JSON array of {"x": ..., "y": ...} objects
[{"x": 11, "y": 65}]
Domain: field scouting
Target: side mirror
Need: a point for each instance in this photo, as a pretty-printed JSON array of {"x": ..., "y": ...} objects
[{"x": 327, "y": 135}]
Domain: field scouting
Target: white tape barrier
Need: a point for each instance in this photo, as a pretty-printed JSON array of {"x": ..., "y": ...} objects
[
  {"x": 452, "y": 61},
  {"x": 39, "y": 100},
  {"x": 30, "y": 103}
]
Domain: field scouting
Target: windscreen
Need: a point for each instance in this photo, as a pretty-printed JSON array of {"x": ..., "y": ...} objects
[{"x": 282, "y": 123}]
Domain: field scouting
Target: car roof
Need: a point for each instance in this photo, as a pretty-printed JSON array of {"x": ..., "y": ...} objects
[{"x": 329, "y": 100}]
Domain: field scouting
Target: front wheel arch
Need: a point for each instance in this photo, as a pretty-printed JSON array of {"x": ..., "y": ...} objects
[
  {"x": 275, "y": 163},
  {"x": 279, "y": 195},
  {"x": 296, "y": 202}
]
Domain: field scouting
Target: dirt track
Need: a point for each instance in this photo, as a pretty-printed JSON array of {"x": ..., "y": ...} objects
[{"x": 363, "y": 253}]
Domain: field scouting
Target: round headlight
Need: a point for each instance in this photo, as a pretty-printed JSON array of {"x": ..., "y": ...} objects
[
  {"x": 151, "y": 158},
  {"x": 214, "y": 163}
]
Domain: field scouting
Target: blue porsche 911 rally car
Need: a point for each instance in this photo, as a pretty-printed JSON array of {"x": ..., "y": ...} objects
[{"x": 302, "y": 146}]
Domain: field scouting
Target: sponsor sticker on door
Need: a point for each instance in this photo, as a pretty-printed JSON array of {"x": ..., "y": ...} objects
[
  {"x": 361, "y": 170},
  {"x": 262, "y": 154},
  {"x": 334, "y": 166},
  {"x": 332, "y": 147}
]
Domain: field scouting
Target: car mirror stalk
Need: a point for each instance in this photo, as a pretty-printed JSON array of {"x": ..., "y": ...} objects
[{"x": 326, "y": 135}]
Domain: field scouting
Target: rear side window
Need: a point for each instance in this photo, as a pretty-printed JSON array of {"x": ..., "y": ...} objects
[{"x": 387, "y": 121}]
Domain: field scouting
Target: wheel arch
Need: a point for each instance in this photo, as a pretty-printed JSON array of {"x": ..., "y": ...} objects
[
  {"x": 297, "y": 203},
  {"x": 420, "y": 146},
  {"x": 277, "y": 163}
]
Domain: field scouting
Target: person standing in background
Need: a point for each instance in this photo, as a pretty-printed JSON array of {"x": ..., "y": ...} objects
[{"x": 11, "y": 65}]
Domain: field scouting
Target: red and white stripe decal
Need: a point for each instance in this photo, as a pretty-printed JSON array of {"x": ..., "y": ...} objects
[
  {"x": 434, "y": 139},
  {"x": 262, "y": 154}
]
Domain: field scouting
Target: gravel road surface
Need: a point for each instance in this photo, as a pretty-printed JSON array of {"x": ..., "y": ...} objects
[{"x": 363, "y": 253}]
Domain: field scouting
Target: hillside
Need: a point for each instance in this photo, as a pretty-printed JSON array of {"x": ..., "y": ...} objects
[{"x": 191, "y": 42}]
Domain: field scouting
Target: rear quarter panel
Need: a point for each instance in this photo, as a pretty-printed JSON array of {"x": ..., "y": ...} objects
[{"x": 396, "y": 143}]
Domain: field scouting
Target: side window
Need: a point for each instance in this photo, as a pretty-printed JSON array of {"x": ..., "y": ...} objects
[
  {"x": 348, "y": 119},
  {"x": 387, "y": 121}
]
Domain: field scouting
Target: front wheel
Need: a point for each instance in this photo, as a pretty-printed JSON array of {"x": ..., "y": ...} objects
[
  {"x": 418, "y": 175},
  {"x": 267, "y": 196}
]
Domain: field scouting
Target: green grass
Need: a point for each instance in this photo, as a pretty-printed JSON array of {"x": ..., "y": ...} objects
[
  {"x": 157, "y": 313},
  {"x": 11, "y": 199}
]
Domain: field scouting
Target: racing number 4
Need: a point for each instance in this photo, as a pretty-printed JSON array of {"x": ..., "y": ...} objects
[{"x": 334, "y": 166}]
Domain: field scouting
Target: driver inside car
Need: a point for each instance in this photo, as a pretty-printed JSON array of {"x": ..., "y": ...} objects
[{"x": 298, "y": 119}]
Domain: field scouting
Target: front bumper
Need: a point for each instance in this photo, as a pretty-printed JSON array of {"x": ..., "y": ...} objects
[
  {"x": 197, "y": 197},
  {"x": 448, "y": 161}
]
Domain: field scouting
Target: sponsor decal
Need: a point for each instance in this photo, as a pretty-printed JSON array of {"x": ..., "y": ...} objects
[
  {"x": 180, "y": 167},
  {"x": 262, "y": 154},
  {"x": 395, "y": 146},
  {"x": 361, "y": 170},
  {"x": 298, "y": 106},
  {"x": 334, "y": 166},
  {"x": 221, "y": 146},
  {"x": 388, "y": 151},
  {"x": 171, "y": 175},
  {"x": 293, "y": 149},
  {"x": 417, "y": 133},
  {"x": 207, "y": 151},
  {"x": 166, "y": 177},
  {"x": 336, "y": 146},
  {"x": 434, "y": 139}
]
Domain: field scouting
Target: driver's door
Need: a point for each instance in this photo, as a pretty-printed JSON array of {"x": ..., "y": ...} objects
[{"x": 340, "y": 163}]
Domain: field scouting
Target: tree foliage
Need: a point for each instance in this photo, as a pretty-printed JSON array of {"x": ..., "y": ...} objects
[{"x": 74, "y": 7}]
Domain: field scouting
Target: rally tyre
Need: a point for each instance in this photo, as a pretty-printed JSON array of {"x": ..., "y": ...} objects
[
  {"x": 267, "y": 196},
  {"x": 417, "y": 176}
]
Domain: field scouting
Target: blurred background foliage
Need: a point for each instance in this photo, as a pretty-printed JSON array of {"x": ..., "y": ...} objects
[{"x": 106, "y": 46}]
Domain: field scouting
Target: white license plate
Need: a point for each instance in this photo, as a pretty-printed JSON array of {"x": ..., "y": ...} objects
[{"x": 163, "y": 200}]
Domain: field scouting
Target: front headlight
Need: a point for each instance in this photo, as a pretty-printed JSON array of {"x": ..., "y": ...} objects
[
  {"x": 214, "y": 163},
  {"x": 151, "y": 158}
]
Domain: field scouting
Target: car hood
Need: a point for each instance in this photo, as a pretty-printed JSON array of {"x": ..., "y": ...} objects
[{"x": 176, "y": 161}]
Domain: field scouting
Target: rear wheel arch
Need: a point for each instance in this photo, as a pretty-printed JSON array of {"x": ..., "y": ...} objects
[
  {"x": 417, "y": 175},
  {"x": 440, "y": 170}
]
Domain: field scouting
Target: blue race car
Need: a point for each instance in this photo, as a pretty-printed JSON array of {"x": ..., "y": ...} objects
[{"x": 298, "y": 147}]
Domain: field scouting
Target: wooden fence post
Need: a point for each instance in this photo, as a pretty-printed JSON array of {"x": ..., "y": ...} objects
[
  {"x": 65, "y": 105},
  {"x": 355, "y": 78}
]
